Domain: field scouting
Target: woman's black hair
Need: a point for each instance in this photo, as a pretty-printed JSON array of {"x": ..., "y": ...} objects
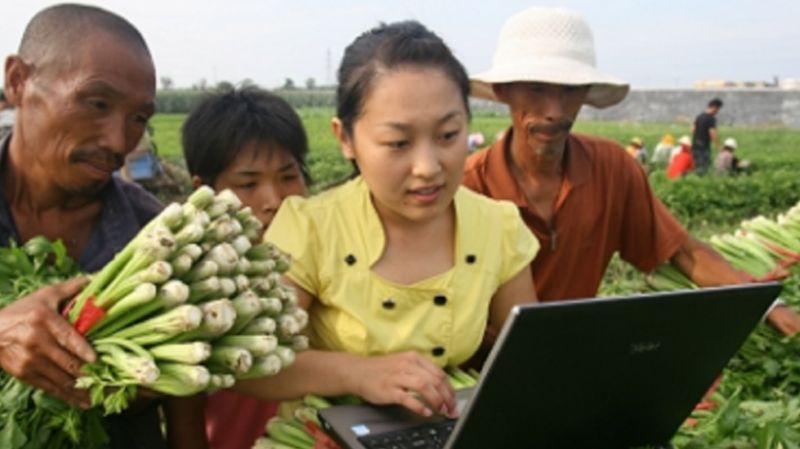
[
  {"x": 406, "y": 43},
  {"x": 220, "y": 127}
]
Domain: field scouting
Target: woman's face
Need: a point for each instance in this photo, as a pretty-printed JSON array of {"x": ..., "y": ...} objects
[
  {"x": 262, "y": 175},
  {"x": 410, "y": 142}
]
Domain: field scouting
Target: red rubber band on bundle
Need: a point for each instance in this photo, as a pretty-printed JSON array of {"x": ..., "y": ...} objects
[
  {"x": 789, "y": 255},
  {"x": 321, "y": 439},
  {"x": 90, "y": 315},
  {"x": 776, "y": 274}
]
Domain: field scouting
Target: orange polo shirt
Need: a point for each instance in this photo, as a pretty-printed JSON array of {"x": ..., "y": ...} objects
[{"x": 605, "y": 205}]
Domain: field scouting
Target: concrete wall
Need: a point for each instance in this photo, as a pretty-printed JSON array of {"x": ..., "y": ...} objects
[{"x": 741, "y": 107}]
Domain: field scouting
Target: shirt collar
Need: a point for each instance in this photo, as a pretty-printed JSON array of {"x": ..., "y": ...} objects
[
  {"x": 116, "y": 226},
  {"x": 374, "y": 226},
  {"x": 503, "y": 185}
]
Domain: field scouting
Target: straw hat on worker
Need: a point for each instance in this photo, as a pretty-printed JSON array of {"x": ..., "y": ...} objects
[{"x": 553, "y": 46}]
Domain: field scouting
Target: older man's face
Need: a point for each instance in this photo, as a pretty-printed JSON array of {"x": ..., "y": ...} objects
[
  {"x": 82, "y": 119},
  {"x": 543, "y": 114}
]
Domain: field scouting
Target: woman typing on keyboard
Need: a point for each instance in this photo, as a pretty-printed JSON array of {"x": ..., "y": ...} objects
[{"x": 400, "y": 268}]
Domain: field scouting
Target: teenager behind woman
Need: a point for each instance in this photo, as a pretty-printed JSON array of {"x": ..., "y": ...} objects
[
  {"x": 253, "y": 143},
  {"x": 401, "y": 268}
]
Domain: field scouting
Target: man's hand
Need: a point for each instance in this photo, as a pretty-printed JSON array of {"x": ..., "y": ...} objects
[
  {"x": 784, "y": 319},
  {"x": 39, "y": 347}
]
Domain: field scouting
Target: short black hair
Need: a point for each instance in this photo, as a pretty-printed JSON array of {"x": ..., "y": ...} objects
[
  {"x": 391, "y": 46},
  {"x": 219, "y": 128},
  {"x": 715, "y": 103},
  {"x": 54, "y": 33}
]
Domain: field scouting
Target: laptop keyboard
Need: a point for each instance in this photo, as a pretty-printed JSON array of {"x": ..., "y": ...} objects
[{"x": 426, "y": 436}]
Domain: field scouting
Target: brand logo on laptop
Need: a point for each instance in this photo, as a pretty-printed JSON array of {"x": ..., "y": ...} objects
[
  {"x": 360, "y": 430},
  {"x": 644, "y": 347}
]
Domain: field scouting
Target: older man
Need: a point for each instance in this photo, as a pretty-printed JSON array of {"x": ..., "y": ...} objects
[
  {"x": 83, "y": 85},
  {"x": 582, "y": 196}
]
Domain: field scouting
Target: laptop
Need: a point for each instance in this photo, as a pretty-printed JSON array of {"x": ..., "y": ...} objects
[{"x": 607, "y": 373}]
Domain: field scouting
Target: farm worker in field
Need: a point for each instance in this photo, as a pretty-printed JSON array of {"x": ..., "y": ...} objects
[
  {"x": 637, "y": 150},
  {"x": 396, "y": 266},
  {"x": 684, "y": 141},
  {"x": 582, "y": 196},
  {"x": 726, "y": 163},
  {"x": 682, "y": 163},
  {"x": 663, "y": 151},
  {"x": 704, "y": 132},
  {"x": 252, "y": 142},
  {"x": 84, "y": 87},
  {"x": 475, "y": 140}
]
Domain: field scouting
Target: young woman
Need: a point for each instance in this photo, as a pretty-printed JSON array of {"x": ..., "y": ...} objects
[
  {"x": 401, "y": 268},
  {"x": 253, "y": 143}
]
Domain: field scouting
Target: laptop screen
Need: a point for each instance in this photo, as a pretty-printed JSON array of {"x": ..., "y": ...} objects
[
  {"x": 607, "y": 373},
  {"x": 602, "y": 373}
]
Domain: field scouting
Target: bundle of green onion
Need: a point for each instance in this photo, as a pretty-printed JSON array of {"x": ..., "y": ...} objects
[
  {"x": 763, "y": 248},
  {"x": 189, "y": 305}
]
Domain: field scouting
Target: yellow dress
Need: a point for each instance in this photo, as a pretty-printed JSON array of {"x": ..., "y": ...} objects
[{"x": 335, "y": 237}]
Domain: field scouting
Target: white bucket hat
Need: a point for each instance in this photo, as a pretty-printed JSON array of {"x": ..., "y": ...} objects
[
  {"x": 549, "y": 45},
  {"x": 730, "y": 142}
]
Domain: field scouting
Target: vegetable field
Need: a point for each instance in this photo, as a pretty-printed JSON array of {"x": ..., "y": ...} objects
[
  {"x": 706, "y": 205},
  {"x": 757, "y": 405}
]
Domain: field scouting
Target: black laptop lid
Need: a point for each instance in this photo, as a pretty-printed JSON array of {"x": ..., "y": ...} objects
[{"x": 607, "y": 373}]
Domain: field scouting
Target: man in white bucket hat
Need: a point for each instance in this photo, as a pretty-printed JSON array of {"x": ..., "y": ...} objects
[{"x": 583, "y": 197}]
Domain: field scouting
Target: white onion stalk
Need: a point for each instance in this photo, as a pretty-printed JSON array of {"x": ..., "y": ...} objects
[
  {"x": 242, "y": 282},
  {"x": 247, "y": 306},
  {"x": 258, "y": 345},
  {"x": 218, "y": 318},
  {"x": 193, "y": 250},
  {"x": 157, "y": 273},
  {"x": 261, "y": 267},
  {"x": 140, "y": 295},
  {"x": 201, "y": 198},
  {"x": 229, "y": 199},
  {"x": 178, "y": 379},
  {"x": 227, "y": 287},
  {"x": 241, "y": 244},
  {"x": 225, "y": 256},
  {"x": 231, "y": 359},
  {"x": 271, "y": 306},
  {"x": 286, "y": 355},
  {"x": 299, "y": 343},
  {"x": 202, "y": 270},
  {"x": 191, "y": 233},
  {"x": 264, "y": 366},
  {"x": 189, "y": 353},
  {"x": 205, "y": 289},
  {"x": 171, "y": 216},
  {"x": 262, "y": 325},
  {"x": 181, "y": 264},
  {"x": 288, "y": 326},
  {"x": 169, "y": 324}
]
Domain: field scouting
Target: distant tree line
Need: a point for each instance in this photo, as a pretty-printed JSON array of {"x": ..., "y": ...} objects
[{"x": 173, "y": 100}]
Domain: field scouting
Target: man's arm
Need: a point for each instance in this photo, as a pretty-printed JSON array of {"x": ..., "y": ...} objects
[
  {"x": 712, "y": 132},
  {"x": 707, "y": 268}
]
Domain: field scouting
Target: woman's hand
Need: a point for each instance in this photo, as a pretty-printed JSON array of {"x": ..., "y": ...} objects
[{"x": 406, "y": 378}]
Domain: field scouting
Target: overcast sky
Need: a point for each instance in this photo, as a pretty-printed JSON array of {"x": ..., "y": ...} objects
[{"x": 652, "y": 44}]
